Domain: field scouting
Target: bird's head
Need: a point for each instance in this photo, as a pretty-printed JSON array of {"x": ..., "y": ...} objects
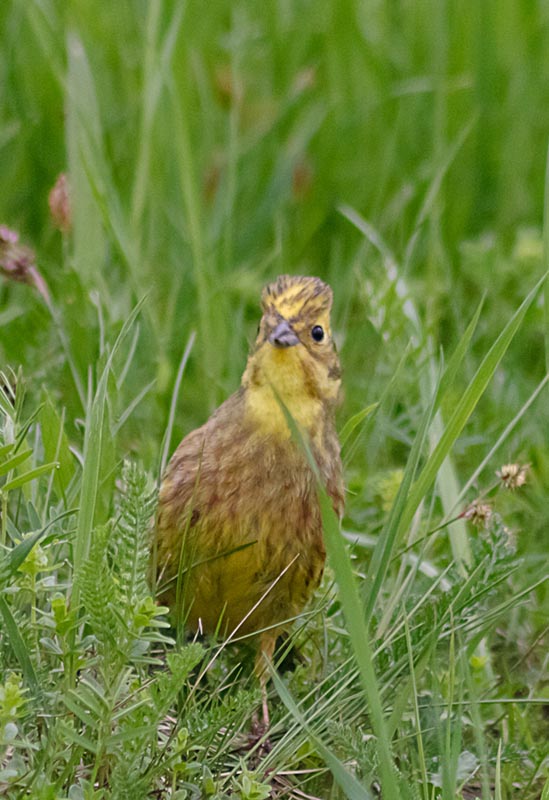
[{"x": 294, "y": 353}]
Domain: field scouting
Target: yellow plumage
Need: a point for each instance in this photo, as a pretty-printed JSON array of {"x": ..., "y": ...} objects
[{"x": 241, "y": 481}]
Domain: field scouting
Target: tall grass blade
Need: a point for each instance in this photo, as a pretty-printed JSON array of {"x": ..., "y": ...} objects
[
  {"x": 414, "y": 693},
  {"x": 501, "y": 439},
  {"x": 347, "y": 782},
  {"x": 546, "y": 259},
  {"x": 93, "y": 445},
  {"x": 353, "y": 611},
  {"x": 19, "y": 553},
  {"x": 26, "y": 477},
  {"x": 358, "y": 632},
  {"x": 389, "y": 536},
  {"x": 167, "y": 440},
  {"x": 465, "y": 407},
  {"x": 354, "y": 422},
  {"x": 19, "y": 647},
  {"x": 14, "y": 461},
  {"x": 456, "y": 359},
  {"x": 157, "y": 62},
  {"x": 83, "y": 131},
  {"x": 203, "y": 267}
]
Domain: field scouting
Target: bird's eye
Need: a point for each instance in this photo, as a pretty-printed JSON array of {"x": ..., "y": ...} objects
[{"x": 317, "y": 333}]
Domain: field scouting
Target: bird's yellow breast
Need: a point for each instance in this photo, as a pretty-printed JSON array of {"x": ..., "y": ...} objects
[{"x": 283, "y": 378}]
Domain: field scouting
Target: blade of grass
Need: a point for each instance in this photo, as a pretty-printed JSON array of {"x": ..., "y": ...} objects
[
  {"x": 509, "y": 428},
  {"x": 152, "y": 82},
  {"x": 353, "y": 423},
  {"x": 156, "y": 63},
  {"x": 458, "y": 355},
  {"x": 31, "y": 475},
  {"x": 347, "y": 782},
  {"x": 56, "y": 448},
  {"x": 83, "y": 127},
  {"x": 202, "y": 263},
  {"x": 14, "y": 461},
  {"x": 19, "y": 647},
  {"x": 497, "y": 783},
  {"x": 465, "y": 407},
  {"x": 353, "y": 612},
  {"x": 452, "y": 728},
  {"x": 448, "y": 486},
  {"x": 45, "y": 25},
  {"x": 435, "y": 185},
  {"x": 447, "y": 480},
  {"x": 546, "y": 259},
  {"x": 419, "y": 736},
  {"x": 388, "y": 388},
  {"x": 383, "y": 551},
  {"x": 358, "y": 632},
  {"x": 478, "y": 731},
  {"x": 98, "y": 204},
  {"x": 167, "y": 440},
  {"x": 129, "y": 358},
  {"x": 19, "y": 553},
  {"x": 126, "y": 414},
  {"x": 93, "y": 444}
]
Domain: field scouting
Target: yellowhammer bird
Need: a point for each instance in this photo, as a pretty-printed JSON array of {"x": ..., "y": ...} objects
[{"x": 239, "y": 531}]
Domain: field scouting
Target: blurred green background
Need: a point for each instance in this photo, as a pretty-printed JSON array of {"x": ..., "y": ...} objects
[{"x": 397, "y": 150}]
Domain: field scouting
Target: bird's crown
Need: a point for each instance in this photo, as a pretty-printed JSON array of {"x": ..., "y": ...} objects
[{"x": 291, "y": 295}]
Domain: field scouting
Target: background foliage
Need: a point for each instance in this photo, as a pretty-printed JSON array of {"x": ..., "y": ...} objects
[{"x": 398, "y": 151}]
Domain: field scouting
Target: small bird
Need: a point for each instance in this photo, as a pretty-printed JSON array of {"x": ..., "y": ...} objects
[{"x": 239, "y": 532}]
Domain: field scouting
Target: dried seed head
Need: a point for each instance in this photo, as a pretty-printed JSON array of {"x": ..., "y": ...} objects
[
  {"x": 7, "y": 236},
  {"x": 478, "y": 513},
  {"x": 513, "y": 475},
  {"x": 302, "y": 179},
  {"x": 229, "y": 87},
  {"x": 212, "y": 179},
  {"x": 17, "y": 262},
  {"x": 60, "y": 205}
]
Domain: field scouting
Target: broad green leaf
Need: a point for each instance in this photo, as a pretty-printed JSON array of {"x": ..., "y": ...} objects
[
  {"x": 14, "y": 461},
  {"x": 21, "y": 550},
  {"x": 6, "y": 449}
]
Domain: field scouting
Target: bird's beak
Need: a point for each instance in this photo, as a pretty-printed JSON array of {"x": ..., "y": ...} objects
[{"x": 283, "y": 335}]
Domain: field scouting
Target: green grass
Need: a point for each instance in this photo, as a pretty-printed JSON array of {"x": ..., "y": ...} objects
[{"x": 397, "y": 151}]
